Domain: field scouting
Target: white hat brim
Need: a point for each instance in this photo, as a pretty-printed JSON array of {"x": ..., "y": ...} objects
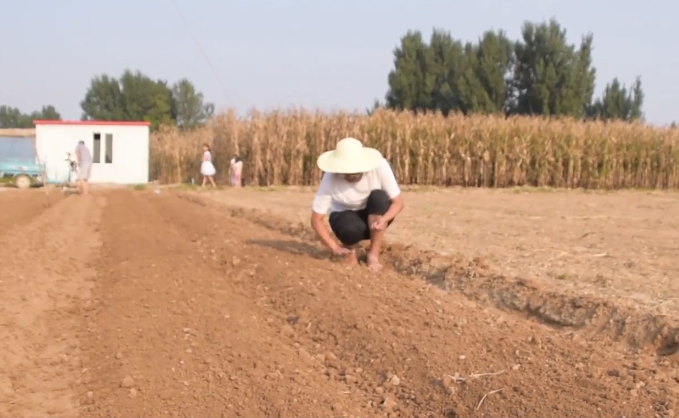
[{"x": 367, "y": 160}]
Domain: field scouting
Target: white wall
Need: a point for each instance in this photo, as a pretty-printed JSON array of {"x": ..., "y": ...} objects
[{"x": 130, "y": 157}]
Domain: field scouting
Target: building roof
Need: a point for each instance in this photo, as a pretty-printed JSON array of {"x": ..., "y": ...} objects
[{"x": 92, "y": 122}]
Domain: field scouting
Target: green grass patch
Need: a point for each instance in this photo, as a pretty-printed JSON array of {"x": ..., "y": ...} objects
[{"x": 187, "y": 186}]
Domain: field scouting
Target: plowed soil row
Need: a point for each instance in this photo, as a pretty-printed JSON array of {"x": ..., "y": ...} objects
[
  {"x": 20, "y": 206},
  {"x": 44, "y": 272},
  {"x": 204, "y": 314},
  {"x": 611, "y": 244},
  {"x": 197, "y": 311},
  {"x": 580, "y": 315}
]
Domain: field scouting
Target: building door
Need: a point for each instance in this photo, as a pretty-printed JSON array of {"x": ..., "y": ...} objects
[{"x": 103, "y": 168}]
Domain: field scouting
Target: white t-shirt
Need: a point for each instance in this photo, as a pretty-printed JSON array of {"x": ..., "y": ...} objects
[
  {"x": 335, "y": 194},
  {"x": 207, "y": 156}
]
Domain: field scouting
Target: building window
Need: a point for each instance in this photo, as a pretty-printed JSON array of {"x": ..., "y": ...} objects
[
  {"x": 96, "y": 149},
  {"x": 108, "y": 158}
]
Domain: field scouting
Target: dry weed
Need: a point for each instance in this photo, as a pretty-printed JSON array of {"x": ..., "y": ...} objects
[{"x": 281, "y": 147}]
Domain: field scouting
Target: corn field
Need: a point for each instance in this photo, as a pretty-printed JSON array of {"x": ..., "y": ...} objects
[{"x": 281, "y": 148}]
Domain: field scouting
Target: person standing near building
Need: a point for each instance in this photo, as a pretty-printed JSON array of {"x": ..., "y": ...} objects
[{"x": 84, "y": 158}]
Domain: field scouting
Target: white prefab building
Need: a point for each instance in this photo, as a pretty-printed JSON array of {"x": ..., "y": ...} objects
[{"x": 120, "y": 150}]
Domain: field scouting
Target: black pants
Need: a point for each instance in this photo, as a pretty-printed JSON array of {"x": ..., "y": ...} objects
[{"x": 351, "y": 226}]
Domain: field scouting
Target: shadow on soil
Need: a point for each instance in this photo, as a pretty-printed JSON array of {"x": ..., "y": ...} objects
[
  {"x": 290, "y": 246},
  {"x": 582, "y": 317}
]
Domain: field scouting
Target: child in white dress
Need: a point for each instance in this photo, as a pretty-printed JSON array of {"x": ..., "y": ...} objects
[{"x": 207, "y": 169}]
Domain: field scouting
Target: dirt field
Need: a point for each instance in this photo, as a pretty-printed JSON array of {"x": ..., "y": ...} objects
[
  {"x": 609, "y": 244},
  {"x": 129, "y": 303}
]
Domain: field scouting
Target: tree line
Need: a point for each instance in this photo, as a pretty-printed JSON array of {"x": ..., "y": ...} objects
[
  {"x": 132, "y": 96},
  {"x": 12, "y": 117},
  {"x": 539, "y": 74}
]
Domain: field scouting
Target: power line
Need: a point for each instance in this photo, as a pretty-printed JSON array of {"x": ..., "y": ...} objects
[{"x": 200, "y": 48}]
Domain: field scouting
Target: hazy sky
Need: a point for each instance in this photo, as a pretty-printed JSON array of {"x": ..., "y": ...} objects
[{"x": 323, "y": 53}]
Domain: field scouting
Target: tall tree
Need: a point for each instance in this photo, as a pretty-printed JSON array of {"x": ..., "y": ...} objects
[
  {"x": 12, "y": 117},
  {"x": 484, "y": 83},
  {"x": 134, "y": 96},
  {"x": 584, "y": 75},
  {"x": 495, "y": 58},
  {"x": 411, "y": 82},
  {"x": 551, "y": 78},
  {"x": 191, "y": 109},
  {"x": 447, "y": 56},
  {"x": 471, "y": 96},
  {"x": 617, "y": 102},
  {"x": 103, "y": 100},
  {"x": 147, "y": 99}
]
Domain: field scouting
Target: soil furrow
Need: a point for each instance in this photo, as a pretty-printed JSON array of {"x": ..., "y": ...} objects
[
  {"x": 19, "y": 207},
  {"x": 605, "y": 320},
  {"x": 197, "y": 345},
  {"x": 129, "y": 303},
  {"x": 385, "y": 325},
  {"x": 43, "y": 280}
]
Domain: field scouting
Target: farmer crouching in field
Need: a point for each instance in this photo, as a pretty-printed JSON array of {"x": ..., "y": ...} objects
[{"x": 360, "y": 192}]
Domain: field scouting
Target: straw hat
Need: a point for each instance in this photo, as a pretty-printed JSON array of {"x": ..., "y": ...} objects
[{"x": 349, "y": 157}]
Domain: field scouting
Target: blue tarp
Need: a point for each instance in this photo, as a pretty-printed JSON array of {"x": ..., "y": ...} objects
[{"x": 16, "y": 147}]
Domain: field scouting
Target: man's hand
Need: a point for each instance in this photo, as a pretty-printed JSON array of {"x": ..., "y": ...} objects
[
  {"x": 341, "y": 251},
  {"x": 379, "y": 225}
]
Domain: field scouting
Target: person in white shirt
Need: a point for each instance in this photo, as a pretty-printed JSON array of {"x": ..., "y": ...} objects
[{"x": 360, "y": 192}]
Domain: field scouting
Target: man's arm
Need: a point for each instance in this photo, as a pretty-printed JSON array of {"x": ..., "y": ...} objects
[
  {"x": 322, "y": 231},
  {"x": 319, "y": 208},
  {"x": 390, "y": 186},
  {"x": 395, "y": 208}
]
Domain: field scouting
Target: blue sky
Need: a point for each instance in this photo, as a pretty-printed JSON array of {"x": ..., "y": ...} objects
[{"x": 327, "y": 54}]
